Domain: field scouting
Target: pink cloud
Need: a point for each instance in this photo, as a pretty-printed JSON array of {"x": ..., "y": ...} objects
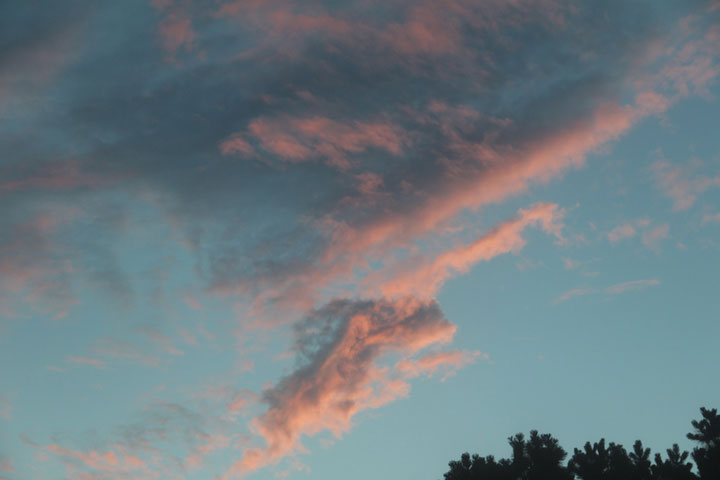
[
  {"x": 710, "y": 218},
  {"x": 113, "y": 349},
  {"x": 116, "y": 462},
  {"x": 611, "y": 290},
  {"x": 479, "y": 173},
  {"x": 341, "y": 375},
  {"x": 425, "y": 276},
  {"x": 425, "y": 28},
  {"x": 429, "y": 30},
  {"x": 236, "y": 144},
  {"x": 5, "y": 408},
  {"x": 175, "y": 29},
  {"x": 31, "y": 272},
  {"x": 652, "y": 238},
  {"x": 689, "y": 57},
  {"x": 493, "y": 175},
  {"x": 6, "y": 465},
  {"x": 241, "y": 401},
  {"x": 575, "y": 292},
  {"x": 163, "y": 342},
  {"x": 632, "y": 285},
  {"x": 94, "y": 362},
  {"x": 621, "y": 232},
  {"x": 211, "y": 443},
  {"x": 448, "y": 362},
  {"x": 302, "y": 139},
  {"x": 482, "y": 174},
  {"x": 58, "y": 176},
  {"x": 571, "y": 264},
  {"x": 679, "y": 183}
]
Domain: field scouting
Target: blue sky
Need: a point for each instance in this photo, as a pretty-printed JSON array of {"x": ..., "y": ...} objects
[{"x": 270, "y": 239}]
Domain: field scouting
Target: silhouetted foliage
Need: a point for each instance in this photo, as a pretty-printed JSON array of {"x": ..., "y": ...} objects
[
  {"x": 707, "y": 433},
  {"x": 540, "y": 457},
  {"x": 597, "y": 462},
  {"x": 477, "y": 467},
  {"x": 674, "y": 467},
  {"x": 640, "y": 459},
  {"x": 544, "y": 458}
]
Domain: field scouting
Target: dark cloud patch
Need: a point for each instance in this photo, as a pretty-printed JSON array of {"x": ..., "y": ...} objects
[{"x": 153, "y": 90}]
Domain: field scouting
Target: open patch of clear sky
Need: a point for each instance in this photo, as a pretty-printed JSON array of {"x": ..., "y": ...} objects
[{"x": 268, "y": 239}]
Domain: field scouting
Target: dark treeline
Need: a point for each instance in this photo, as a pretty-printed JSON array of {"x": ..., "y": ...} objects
[{"x": 540, "y": 457}]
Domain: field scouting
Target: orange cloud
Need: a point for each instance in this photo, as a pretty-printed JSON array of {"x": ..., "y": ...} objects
[
  {"x": 428, "y": 29},
  {"x": 301, "y": 139},
  {"x": 425, "y": 276},
  {"x": 481, "y": 174},
  {"x": 116, "y": 462},
  {"x": 449, "y": 362},
  {"x": 489, "y": 175},
  {"x": 341, "y": 345}
]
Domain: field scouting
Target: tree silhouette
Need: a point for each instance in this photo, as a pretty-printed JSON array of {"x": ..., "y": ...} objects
[
  {"x": 479, "y": 468},
  {"x": 674, "y": 467},
  {"x": 544, "y": 458},
  {"x": 597, "y": 462},
  {"x": 592, "y": 464},
  {"x": 540, "y": 457},
  {"x": 640, "y": 459},
  {"x": 707, "y": 433}
]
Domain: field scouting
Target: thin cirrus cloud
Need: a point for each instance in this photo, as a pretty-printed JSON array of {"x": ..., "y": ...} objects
[
  {"x": 94, "y": 362},
  {"x": 632, "y": 285},
  {"x": 110, "y": 463},
  {"x": 5, "y": 408},
  {"x": 301, "y": 152},
  {"x": 616, "y": 289}
]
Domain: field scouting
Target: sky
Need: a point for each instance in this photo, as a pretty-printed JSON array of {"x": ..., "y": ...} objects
[{"x": 271, "y": 239}]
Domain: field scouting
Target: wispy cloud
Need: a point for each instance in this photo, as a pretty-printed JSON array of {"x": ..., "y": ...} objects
[
  {"x": 615, "y": 289},
  {"x": 632, "y": 285},
  {"x": 78, "y": 360},
  {"x": 5, "y": 408},
  {"x": 575, "y": 292},
  {"x": 651, "y": 238},
  {"x": 621, "y": 232},
  {"x": 6, "y": 464},
  {"x": 711, "y": 218},
  {"x": 652, "y": 235},
  {"x": 424, "y": 276},
  {"x": 681, "y": 183}
]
